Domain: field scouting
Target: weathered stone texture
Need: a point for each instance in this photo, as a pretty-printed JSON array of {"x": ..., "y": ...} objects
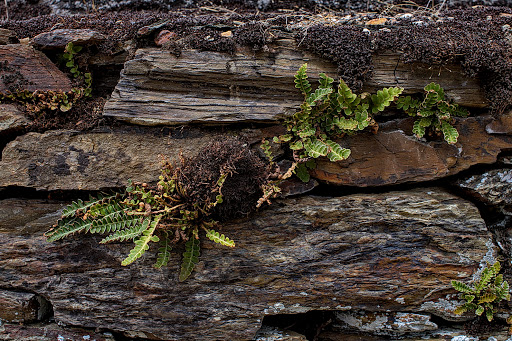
[
  {"x": 94, "y": 160},
  {"x": 394, "y": 156},
  {"x": 11, "y": 119},
  {"x": 395, "y": 251},
  {"x": 203, "y": 86},
  {"x": 50, "y": 332},
  {"x": 58, "y": 39},
  {"x": 26, "y": 68}
]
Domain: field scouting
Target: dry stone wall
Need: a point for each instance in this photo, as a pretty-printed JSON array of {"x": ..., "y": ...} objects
[{"x": 368, "y": 253}]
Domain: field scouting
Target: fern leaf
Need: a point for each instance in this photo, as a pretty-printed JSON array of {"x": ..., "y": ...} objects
[
  {"x": 325, "y": 81},
  {"x": 297, "y": 145},
  {"x": 141, "y": 244},
  {"x": 450, "y": 133},
  {"x": 81, "y": 206},
  {"x": 479, "y": 311},
  {"x": 418, "y": 129},
  {"x": 316, "y": 148},
  {"x": 67, "y": 227},
  {"x": 336, "y": 152},
  {"x": 462, "y": 287},
  {"x": 434, "y": 87},
  {"x": 345, "y": 124},
  {"x": 383, "y": 98},
  {"x": 345, "y": 95},
  {"x": 302, "y": 172},
  {"x": 301, "y": 80},
  {"x": 164, "y": 253},
  {"x": 496, "y": 267},
  {"x": 460, "y": 310},
  {"x": 219, "y": 238},
  {"x": 318, "y": 95},
  {"x": 115, "y": 218},
  {"x": 487, "y": 298},
  {"x": 489, "y": 314},
  {"x": 125, "y": 234},
  {"x": 469, "y": 298},
  {"x": 190, "y": 258}
]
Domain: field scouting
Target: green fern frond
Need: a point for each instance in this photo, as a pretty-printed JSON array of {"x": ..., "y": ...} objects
[
  {"x": 126, "y": 234},
  {"x": 302, "y": 172},
  {"x": 190, "y": 258},
  {"x": 114, "y": 218},
  {"x": 449, "y": 132},
  {"x": 319, "y": 95},
  {"x": 164, "y": 253},
  {"x": 435, "y": 88},
  {"x": 301, "y": 80},
  {"x": 337, "y": 152},
  {"x": 487, "y": 298},
  {"x": 325, "y": 81},
  {"x": 383, "y": 98},
  {"x": 219, "y": 238},
  {"x": 141, "y": 244},
  {"x": 67, "y": 227},
  {"x": 81, "y": 206},
  {"x": 489, "y": 314},
  {"x": 480, "y": 310},
  {"x": 316, "y": 148},
  {"x": 345, "y": 94},
  {"x": 462, "y": 287}
]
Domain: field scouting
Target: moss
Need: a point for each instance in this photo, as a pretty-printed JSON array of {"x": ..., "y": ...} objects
[
  {"x": 347, "y": 46},
  {"x": 242, "y": 188}
]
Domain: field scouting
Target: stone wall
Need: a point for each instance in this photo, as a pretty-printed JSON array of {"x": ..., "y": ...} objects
[{"x": 368, "y": 254}]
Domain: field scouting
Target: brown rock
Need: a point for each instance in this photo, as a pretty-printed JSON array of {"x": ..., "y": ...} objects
[
  {"x": 50, "y": 332},
  {"x": 90, "y": 161},
  {"x": 25, "y": 68},
  {"x": 19, "y": 307},
  {"x": 395, "y": 251},
  {"x": 157, "y": 87},
  {"x": 165, "y": 36},
  {"x": 394, "y": 156},
  {"x": 500, "y": 125},
  {"x": 58, "y": 39},
  {"x": 267, "y": 333},
  {"x": 7, "y": 37},
  {"x": 11, "y": 119}
]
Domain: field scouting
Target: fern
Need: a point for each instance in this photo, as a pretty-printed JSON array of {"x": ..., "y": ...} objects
[
  {"x": 131, "y": 233},
  {"x": 219, "y": 238},
  {"x": 190, "y": 258},
  {"x": 487, "y": 292},
  {"x": 301, "y": 80},
  {"x": 81, "y": 206},
  {"x": 164, "y": 253},
  {"x": 68, "y": 227},
  {"x": 142, "y": 244},
  {"x": 434, "y": 113}
]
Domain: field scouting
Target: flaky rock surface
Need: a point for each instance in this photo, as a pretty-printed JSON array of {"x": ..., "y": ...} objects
[{"x": 393, "y": 251}]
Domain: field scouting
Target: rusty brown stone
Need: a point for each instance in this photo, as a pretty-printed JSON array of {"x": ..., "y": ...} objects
[
  {"x": 25, "y": 68},
  {"x": 394, "y": 156}
]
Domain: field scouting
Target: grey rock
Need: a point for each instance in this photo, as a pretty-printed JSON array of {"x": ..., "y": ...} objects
[
  {"x": 11, "y": 119},
  {"x": 393, "y": 251},
  {"x": 267, "y": 333},
  {"x": 492, "y": 188},
  {"x": 58, "y": 39},
  {"x": 67, "y": 159},
  {"x": 392, "y": 323}
]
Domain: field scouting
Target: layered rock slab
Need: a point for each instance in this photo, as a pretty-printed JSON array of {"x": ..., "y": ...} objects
[
  {"x": 157, "y": 87},
  {"x": 394, "y": 156},
  {"x": 27, "y": 69},
  {"x": 66, "y": 159},
  {"x": 396, "y": 251}
]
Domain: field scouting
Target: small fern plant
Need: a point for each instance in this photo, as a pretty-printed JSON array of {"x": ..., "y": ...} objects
[
  {"x": 434, "y": 113},
  {"x": 329, "y": 113},
  {"x": 485, "y": 294},
  {"x": 145, "y": 215}
]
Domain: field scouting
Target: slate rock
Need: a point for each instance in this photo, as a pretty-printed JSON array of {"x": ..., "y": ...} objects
[
  {"x": 66, "y": 159},
  {"x": 27, "y": 69},
  {"x": 394, "y": 156},
  {"x": 59, "y": 38},
  {"x": 11, "y": 119},
  {"x": 395, "y": 251},
  {"x": 50, "y": 332}
]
